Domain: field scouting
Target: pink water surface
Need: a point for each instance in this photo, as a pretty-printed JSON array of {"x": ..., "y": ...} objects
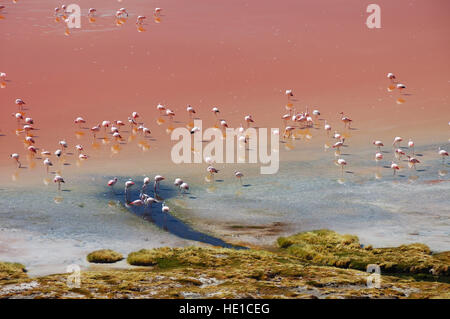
[{"x": 238, "y": 55}]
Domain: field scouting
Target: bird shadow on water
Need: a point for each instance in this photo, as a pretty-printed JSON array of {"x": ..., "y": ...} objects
[{"x": 166, "y": 221}]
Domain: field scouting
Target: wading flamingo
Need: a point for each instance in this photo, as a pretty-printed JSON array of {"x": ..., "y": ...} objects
[
  {"x": 378, "y": 144},
  {"x": 128, "y": 185},
  {"x": 79, "y": 120},
  {"x": 413, "y": 161},
  {"x": 190, "y": 110},
  {"x": 47, "y": 164},
  {"x": 341, "y": 162},
  {"x": 15, "y": 157},
  {"x": 411, "y": 146},
  {"x": 239, "y": 176},
  {"x": 158, "y": 179},
  {"x": 58, "y": 179},
  {"x": 397, "y": 141},
  {"x": 394, "y": 167},
  {"x": 145, "y": 184},
  {"x": 443, "y": 153},
  {"x": 20, "y": 103},
  {"x": 184, "y": 187},
  {"x": 112, "y": 182},
  {"x": 178, "y": 182}
]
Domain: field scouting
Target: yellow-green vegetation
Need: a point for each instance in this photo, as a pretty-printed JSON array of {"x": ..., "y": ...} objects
[
  {"x": 104, "y": 256},
  {"x": 11, "y": 271},
  {"x": 328, "y": 248},
  {"x": 197, "y": 272}
]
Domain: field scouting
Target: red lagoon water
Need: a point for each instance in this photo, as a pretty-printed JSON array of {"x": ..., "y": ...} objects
[{"x": 238, "y": 55}]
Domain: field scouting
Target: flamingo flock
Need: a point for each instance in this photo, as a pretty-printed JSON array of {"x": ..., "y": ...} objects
[{"x": 121, "y": 15}]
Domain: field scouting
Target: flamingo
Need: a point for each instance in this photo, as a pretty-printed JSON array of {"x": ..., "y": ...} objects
[
  {"x": 29, "y": 120},
  {"x": 195, "y": 129},
  {"x": 345, "y": 119},
  {"x": 413, "y": 161},
  {"x": 184, "y": 187},
  {"x": 224, "y": 124},
  {"x": 20, "y": 103},
  {"x": 146, "y": 131},
  {"x": 106, "y": 124},
  {"x": 28, "y": 128},
  {"x": 135, "y": 115},
  {"x": 158, "y": 179},
  {"x": 95, "y": 129},
  {"x": 178, "y": 182},
  {"x": 378, "y": 156},
  {"x": 15, "y": 157},
  {"x": 92, "y": 12},
  {"x": 401, "y": 86},
  {"x": 248, "y": 119},
  {"x": 190, "y": 110},
  {"x": 288, "y": 131},
  {"x": 397, "y": 141},
  {"x": 58, "y": 153},
  {"x": 157, "y": 12},
  {"x": 341, "y": 162},
  {"x": 47, "y": 163},
  {"x": 394, "y": 167},
  {"x": 45, "y": 153},
  {"x": 63, "y": 144},
  {"x": 128, "y": 185},
  {"x": 119, "y": 123},
  {"x": 289, "y": 94},
  {"x": 32, "y": 149},
  {"x": 121, "y": 13},
  {"x": 146, "y": 182},
  {"x": 114, "y": 129},
  {"x": 131, "y": 121},
  {"x": 399, "y": 153},
  {"x": 160, "y": 108},
  {"x": 2, "y": 76},
  {"x": 391, "y": 76},
  {"x": 338, "y": 145},
  {"x": 83, "y": 157},
  {"x": 316, "y": 113},
  {"x": 140, "y": 19},
  {"x": 58, "y": 179},
  {"x": 411, "y": 145},
  {"x": 211, "y": 170},
  {"x": 165, "y": 208},
  {"x": 170, "y": 113},
  {"x": 443, "y": 153},
  {"x": 215, "y": 110},
  {"x": 79, "y": 120},
  {"x": 117, "y": 136},
  {"x": 18, "y": 116},
  {"x": 137, "y": 202},
  {"x": 79, "y": 148},
  {"x": 378, "y": 144},
  {"x": 327, "y": 127},
  {"x": 112, "y": 182},
  {"x": 148, "y": 201},
  {"x": 29, "y": 140},
  {"x": 239, "y": 176}
]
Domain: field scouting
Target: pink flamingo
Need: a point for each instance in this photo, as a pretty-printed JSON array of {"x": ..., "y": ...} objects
[
  {"x": 341, "y": 162},
  {"x": 394, "y": 167},
  {"x": 128, "y": 185},
  {"x": 378, "y": 144},
  {"x": 15, "y": 157},
  {"x": 58, "y": 179},
  {"x": 158, "y": 179},
  {"x": 413, "y": 161}
]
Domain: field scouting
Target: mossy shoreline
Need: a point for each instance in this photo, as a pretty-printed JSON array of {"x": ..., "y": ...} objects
[{"x": 316, "y": 264}]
